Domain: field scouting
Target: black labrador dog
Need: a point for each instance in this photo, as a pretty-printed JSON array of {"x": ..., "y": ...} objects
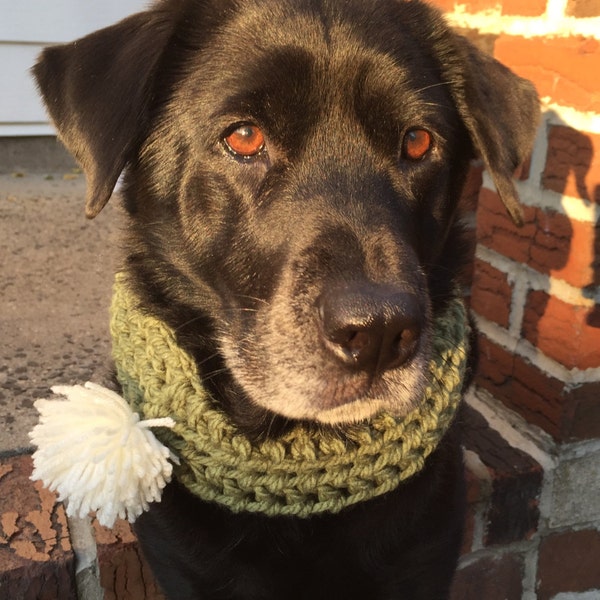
[{"x": 292, "y": 175}]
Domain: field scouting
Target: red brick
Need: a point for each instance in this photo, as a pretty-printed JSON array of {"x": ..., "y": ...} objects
[
  {"x": 490, "y": 579},
  {"x": 568, "y": 562},
  {"x": 496, "y": 230},
  {"x": 570, "y": 166},
  {"x": 561, "y": 331},
  {"x": 510, "y": 489},
  {"x": 585, "y": 412},
  {"x": 478, "y": 493},
  {"x": 124, "y": 574},
  {"x": 531, "y": 8},
  {"x": 583, "y": 8},
  {"x": 552, "y": 243},
  {"x": 538, "y": 397},
  {"x": 567, "y": 413},
  {"x": 36, "y": 560},
  {"x": 474, "y": 6},
  {"x": 477, "y": 490},
  {"x": 123, "y": 571},
  {"x": 559, "y": 67},
  {"x": 514, "y": 507},
  {"x": 549, "y": 241},
  {"x": 495, "y": 365},
  {"x": 491, "y": 293},
  {"x": 445, "y": 5},
  {"x": 468, "y": 531},
  {"x": 580, "y": 268}
]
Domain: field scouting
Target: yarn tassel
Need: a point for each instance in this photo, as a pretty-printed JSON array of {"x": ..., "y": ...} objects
[{"x": 98, "y": 455}]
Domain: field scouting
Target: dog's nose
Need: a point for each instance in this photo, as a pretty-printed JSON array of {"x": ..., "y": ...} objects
[{"x": 370, "y": 327}]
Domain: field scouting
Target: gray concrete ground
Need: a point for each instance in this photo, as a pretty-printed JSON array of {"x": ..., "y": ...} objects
[
  {"x": 43, "y": 154},
  {"x": 56, "y": 271}
]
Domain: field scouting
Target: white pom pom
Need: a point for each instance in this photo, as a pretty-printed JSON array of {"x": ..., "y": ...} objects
[{"x": 96, "y": 453}]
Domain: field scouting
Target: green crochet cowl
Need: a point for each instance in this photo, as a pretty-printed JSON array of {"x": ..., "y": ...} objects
[{"x": 302, "y": 473}]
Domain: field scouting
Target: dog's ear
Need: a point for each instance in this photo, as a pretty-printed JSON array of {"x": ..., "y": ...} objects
[
  {"x": 97, "y": 90},
  {"x": 501, "y": 112}
]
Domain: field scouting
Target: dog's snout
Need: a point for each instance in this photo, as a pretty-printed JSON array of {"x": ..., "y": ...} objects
[{"x": 370, "y": 327}]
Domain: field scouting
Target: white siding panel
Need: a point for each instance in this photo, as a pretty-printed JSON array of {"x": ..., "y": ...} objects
[
  {"x": 47, "y": 21},
  {"x": 25, "y": 27},
  {"x": 18, "y": 95}
]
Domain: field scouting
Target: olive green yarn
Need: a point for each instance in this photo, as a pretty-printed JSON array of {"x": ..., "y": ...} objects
[{"x": 300, "y": 474}]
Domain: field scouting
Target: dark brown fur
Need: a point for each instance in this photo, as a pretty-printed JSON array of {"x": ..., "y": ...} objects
[{"x": 305, "y": 279}]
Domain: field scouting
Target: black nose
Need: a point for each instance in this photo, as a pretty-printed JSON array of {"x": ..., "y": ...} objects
[{"x": 370, "y": 327}]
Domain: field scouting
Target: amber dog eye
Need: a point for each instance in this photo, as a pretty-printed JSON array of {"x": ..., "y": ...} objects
[
  {"x": 416, "y": 144},
  {"x": 246, "y": 141}
]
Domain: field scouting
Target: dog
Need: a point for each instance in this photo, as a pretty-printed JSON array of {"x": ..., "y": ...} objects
[{"x": 292, "y": 174}]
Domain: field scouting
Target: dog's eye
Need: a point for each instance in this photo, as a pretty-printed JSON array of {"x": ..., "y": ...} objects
[
  {"x": 416, "y": 144},
  {"x": 246, "y": 141}
]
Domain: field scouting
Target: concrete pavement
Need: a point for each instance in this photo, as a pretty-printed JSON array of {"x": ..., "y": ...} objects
[{"x": 56, "y": 271}]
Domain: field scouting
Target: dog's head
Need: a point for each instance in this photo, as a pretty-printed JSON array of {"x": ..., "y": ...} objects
[{"x": 293, "y": 170}]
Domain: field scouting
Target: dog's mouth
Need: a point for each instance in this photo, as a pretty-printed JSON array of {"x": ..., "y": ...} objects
[
  {"x": 354, "y": 352},
  {"x": 351, "y": 405},
  {"x": 318, "y": 389}
]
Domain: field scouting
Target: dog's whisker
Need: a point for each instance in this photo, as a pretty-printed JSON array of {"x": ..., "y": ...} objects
[
  {"x": 208, "y": 359},
  {"x": 436, "y": 105},
  {"x": 212, "y": 374},
  {"x": 253, "y": 298},
  {"x": 188, "y": 323},
  {"x": 240, "y": 309},
  {"x": 435, "y": 85}
]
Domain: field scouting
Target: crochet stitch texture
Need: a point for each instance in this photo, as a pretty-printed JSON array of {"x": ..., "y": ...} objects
[{"x": 303, "y": 472}]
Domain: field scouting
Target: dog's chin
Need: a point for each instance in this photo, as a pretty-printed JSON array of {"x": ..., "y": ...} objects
[
  {"x": 357, "y": 410},
  {"x": 354, "y": 412},
  {"x": 337, "y": 403}
]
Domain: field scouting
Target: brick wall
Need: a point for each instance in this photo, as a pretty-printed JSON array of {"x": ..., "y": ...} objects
[
  {"x": 532, "y": 447},
  {"x": 536, "y": 299}
]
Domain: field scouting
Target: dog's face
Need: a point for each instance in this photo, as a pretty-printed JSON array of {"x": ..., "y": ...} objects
[{"x": 293, "y": 176}]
